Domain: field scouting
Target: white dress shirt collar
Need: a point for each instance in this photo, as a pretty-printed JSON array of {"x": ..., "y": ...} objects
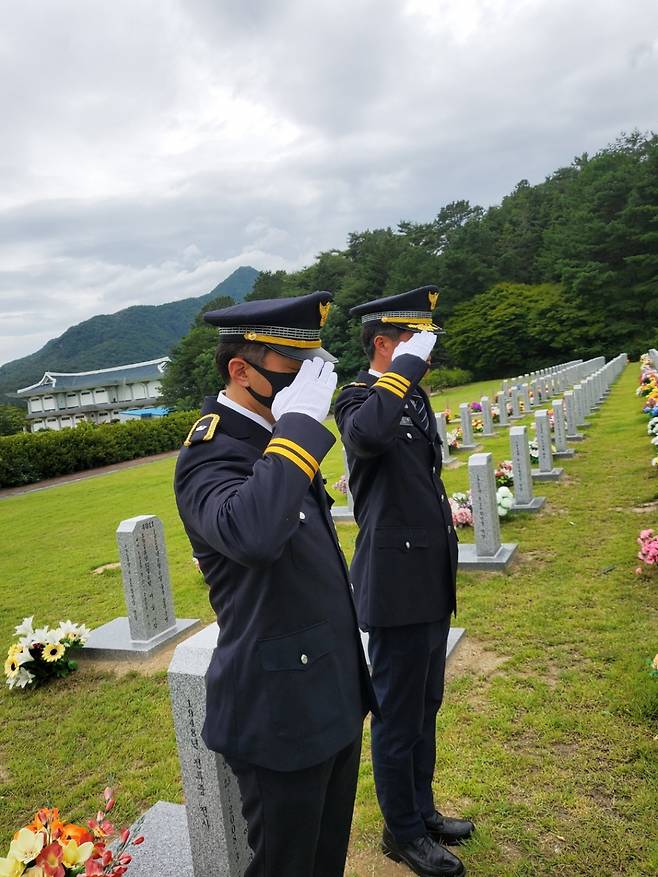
[{"x": 223, "y": 399}]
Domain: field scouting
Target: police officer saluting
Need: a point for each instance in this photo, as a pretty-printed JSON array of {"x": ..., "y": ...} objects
[
  {"x": 404, "y": 570},
  {"x": 287, "y": 687}
]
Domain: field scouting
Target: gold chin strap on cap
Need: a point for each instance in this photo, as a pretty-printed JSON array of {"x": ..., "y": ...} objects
[{"x": 285, "y": 342}]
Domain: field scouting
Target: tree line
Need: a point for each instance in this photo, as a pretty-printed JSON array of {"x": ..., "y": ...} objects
[{"x": 564, "y": 268}]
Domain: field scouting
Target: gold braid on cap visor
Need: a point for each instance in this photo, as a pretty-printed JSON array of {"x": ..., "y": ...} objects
[
  {"x": 284, "y": 335},
  {"x": 421, "y": 321}
]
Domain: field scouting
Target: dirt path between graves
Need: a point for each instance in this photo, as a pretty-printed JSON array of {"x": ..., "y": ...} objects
[{"x": 6, "y": 492}]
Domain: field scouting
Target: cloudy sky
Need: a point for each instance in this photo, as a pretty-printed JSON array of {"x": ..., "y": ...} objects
[{"x": 150, "y": 147}]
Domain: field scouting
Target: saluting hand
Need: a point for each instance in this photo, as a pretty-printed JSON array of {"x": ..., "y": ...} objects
[
  {"x": 420, "y": 344},
  {"x": 310, "y": 393}
]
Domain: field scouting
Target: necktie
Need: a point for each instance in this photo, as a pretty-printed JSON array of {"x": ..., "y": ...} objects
[{"x": 419, "y": 404}]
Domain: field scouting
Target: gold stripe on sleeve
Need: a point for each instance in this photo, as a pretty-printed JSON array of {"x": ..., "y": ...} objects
[
  {"x": 399, "y": 379},
  {"x": 293, "y": 458},
  {"x": 392, "y": 388},
  {"x": 298, "y": 449}
]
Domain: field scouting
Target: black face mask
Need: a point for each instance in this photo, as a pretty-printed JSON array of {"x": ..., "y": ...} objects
[{"x": 278, "y": 381}]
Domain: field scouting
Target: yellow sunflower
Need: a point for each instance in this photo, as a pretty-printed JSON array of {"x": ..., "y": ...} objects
[
  {"x": 11, "y": 666},
  {"x": 52, "y": 652}
]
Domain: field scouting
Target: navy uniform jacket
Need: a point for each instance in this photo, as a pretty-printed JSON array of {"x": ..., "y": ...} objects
[
  {"x": 405, "y": 562},
  {"x": 287, "y": 685}
]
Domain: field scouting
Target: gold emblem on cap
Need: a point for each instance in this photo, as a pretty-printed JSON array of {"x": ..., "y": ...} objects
[
  {"x": 433, "y": 297},
  {"x": 324, "y": 312}
]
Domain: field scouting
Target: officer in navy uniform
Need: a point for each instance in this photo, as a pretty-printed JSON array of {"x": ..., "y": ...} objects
[
  {"x": 287, "y": 686},
  {"x": 403, "y": 571}
]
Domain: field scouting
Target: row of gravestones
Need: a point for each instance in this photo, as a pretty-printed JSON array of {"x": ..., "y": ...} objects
[
  {"x": 569, "y": 416},
  {"x": 207, "y": 837},
  {"x": 544, "y": 385}
]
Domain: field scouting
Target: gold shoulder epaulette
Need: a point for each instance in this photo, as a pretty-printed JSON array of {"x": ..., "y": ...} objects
[{"x": 203, "y": 430}]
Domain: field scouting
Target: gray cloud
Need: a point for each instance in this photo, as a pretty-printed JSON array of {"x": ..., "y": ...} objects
[{"x": 151, "y": 147}]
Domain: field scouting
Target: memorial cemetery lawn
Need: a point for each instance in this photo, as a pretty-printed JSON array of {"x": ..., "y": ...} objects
[{"x": 548, "y": 736}]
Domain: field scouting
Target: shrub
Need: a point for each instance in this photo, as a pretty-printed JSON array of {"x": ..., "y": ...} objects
[
  {"x": 29, "y": 457},
  {"x": 441, "y": 378}
]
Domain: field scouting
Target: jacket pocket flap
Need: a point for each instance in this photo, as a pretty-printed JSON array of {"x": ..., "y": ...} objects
[{"x": 299, "y": 650}]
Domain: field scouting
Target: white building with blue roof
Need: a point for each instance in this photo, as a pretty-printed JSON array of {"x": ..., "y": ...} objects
[{"x": 65, "y": 399}]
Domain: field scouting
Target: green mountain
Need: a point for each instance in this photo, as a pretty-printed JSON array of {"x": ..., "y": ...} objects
[{"x": 135, "y": 334}]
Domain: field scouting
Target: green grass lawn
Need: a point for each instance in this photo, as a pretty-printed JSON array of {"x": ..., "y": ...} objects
[{"x": 547, "y": 738}]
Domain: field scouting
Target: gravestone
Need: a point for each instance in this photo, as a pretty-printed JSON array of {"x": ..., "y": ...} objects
[
  {"x": 524, "y": 501},
  {"x": 488, "y": 553},
  {"x": 516, "y": 404},
  {"x": 442, "y": 429},
  {"x": 206, "y": 836},
  {"x": 525, "y": 395},
  {"x": 533, "y": 389},
  {"x": 581, "y": 411},
  {"x": 344, "y": 512},
  {"x": 151, "y": 621},
  {"x": 546, "y": 470},
  {"x": 467, "y": 427},
  {"x": 559, "y": 431},
  {"x": 487, "y": 419},
  {"x": 572, "y": 420},
  {"x": 503, "y": 419}
]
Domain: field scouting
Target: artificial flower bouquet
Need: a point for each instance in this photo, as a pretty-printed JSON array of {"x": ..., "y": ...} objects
[
  {"x": 504, "y": 474},
  {"x": 49, "y": 847},
  {"x": 454, "y": 437},
  {"x": 648, "y": 553},
  {"x": 462, "y": 509},
  {"x": 504, "y": 501},
  {"x": 43, "y": 653}
]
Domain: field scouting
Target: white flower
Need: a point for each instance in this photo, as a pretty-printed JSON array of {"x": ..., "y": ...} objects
[
  {"x": 505, "y": 500},
  {"x": 654, "y": 440},
  {"x": 71, "y": 631},
  {"x": 25, "y": 628},
  {"x": 20, "y": 679},
  {"x": 40, "y": 635}
]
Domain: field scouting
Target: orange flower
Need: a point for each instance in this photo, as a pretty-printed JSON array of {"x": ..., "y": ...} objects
[
  {"x": 44, "y": 818},
  {"x": 71, "y": 831}
]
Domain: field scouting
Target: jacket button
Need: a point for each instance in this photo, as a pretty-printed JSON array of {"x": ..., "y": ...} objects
[
  {"x": 304, "y": 659},
  {"x": 449, "y": 528},
  {"x": 409, "y": 435},
  {"x": 443, "y": 497},
  {"x": 407, "y": 544},
  {"x": 302, "y": 516}
]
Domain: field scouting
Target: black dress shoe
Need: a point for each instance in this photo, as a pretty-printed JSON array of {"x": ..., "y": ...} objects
[
  {"x": 446, "y": 830},
  {"x": 423, "y": 855}
]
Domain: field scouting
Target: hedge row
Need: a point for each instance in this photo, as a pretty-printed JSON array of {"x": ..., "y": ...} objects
[{"x": 29, "y": 457}]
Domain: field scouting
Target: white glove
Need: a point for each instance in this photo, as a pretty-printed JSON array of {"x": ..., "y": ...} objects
[
  {"x": 310, "y": 393},
  {"x": 420, "y": 344}
]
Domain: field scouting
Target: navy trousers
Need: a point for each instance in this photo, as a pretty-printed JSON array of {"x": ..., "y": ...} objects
[
  {"x": 298, "y": 822},
  {"x": 408, "y": 669}
]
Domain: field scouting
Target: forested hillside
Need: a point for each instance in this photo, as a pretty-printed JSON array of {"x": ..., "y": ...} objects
[{"x": 134, "y": 334}]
